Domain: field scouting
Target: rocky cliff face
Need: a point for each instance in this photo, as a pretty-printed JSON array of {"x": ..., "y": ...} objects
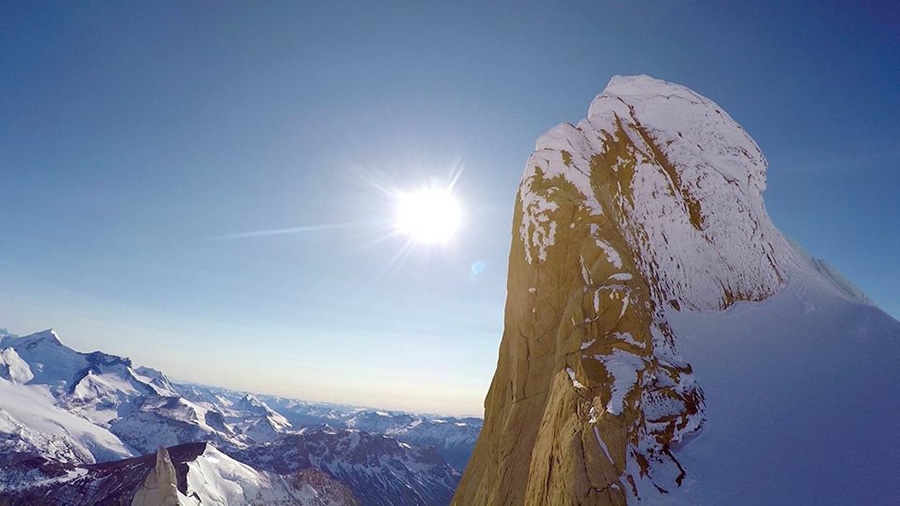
[{"x": 652, "y": 201}]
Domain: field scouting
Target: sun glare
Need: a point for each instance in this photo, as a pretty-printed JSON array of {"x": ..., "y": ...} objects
[{"x": 428, "y": 215}]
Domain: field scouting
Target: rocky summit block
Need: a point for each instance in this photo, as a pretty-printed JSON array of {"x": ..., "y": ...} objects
[{"x": 652, "y": 201}]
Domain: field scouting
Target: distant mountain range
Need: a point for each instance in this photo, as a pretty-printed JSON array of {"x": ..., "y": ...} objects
[{"x": 90, "y": 428}]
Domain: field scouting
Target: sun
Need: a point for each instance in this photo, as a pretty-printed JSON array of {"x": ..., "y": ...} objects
[{"x": 428, "y": 215}]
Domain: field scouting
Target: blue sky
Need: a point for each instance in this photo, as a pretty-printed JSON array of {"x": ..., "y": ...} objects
[{"x": 134, "y": 136}]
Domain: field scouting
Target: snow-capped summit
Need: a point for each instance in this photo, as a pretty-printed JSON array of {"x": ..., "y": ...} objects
[
  {"x": 683, "y": 178},
  {"x": 48, "y": 335},
  {"x": 157, "y": 379},
  {"x": 264, "y": 424},
  {"x": 249, "y": 402},
  {"x": 629, "y": 227},
  {"x": 51, "y": 362}
]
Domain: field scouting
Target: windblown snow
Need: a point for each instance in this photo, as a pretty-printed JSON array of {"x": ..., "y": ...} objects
[{"x": 801, "y": 394}]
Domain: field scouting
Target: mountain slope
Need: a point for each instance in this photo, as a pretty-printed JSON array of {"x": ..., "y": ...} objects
[
  {"x": 652, "y": 206},
  {"x": 96, "y": 386},
  {"x": 801, "y": 394},
  {"x": 32, "y": 424}
]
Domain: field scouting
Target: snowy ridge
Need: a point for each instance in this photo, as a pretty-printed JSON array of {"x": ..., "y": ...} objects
[
  {"x": 841, "y": 285},
  {"x": 801, "y": 397},
  {"x": 850, "y": 290}
]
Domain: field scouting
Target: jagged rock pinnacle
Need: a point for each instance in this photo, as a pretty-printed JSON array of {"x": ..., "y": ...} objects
[{"x": 160, "y": 487}]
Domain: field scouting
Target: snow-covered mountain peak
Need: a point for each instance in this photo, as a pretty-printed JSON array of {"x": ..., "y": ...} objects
[
  {"x": 644, "y": 86},
  {"x": 687, "y": 126},
  {"x": 156, "y": 379},
  {"x": 264, "y": 424},
  {"x": 44, "y": 337},
  {"x": 52, "y": 362},
  {"x": 681, "y": 181},
  {"x": 250, "y": 402}
]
